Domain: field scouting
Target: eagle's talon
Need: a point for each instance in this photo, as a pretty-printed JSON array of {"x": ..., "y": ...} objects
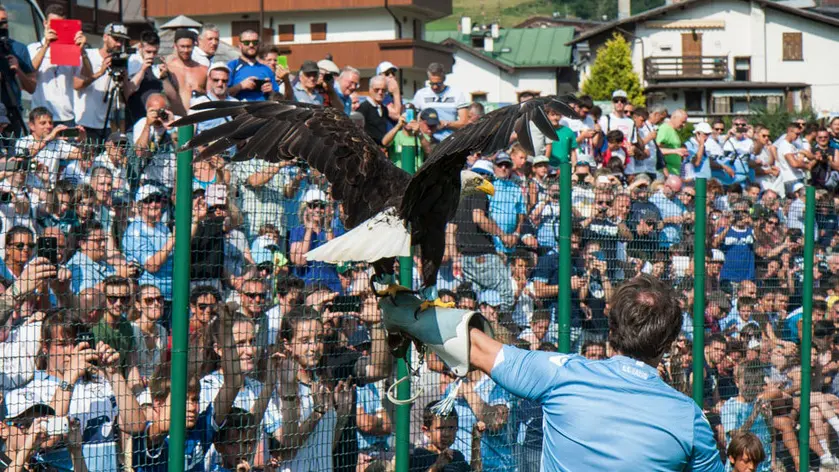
[
  {"x": 392, "y": 290},
  {"x": 435, "y": 303}
]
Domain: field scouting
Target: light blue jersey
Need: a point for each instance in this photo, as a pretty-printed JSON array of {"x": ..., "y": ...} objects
[{"x": 615, "y": 415}]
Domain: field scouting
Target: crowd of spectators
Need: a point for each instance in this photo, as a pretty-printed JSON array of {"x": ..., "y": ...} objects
[{"x": 289, "y": 362}]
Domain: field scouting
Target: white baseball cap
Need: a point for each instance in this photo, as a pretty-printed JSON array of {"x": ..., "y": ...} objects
[
  {"x": 483, "y": 166},
  {"x": 540, "y": 160},
  {"x": 384, "y": 67},
  {"x": 314, "y": 195},
  {"x": 619, "y": 94},
  {"x": 218, "y": 66},
  {"x": 702, "y": 127},
  {"x": 147, "y": 191},
  {"x": 20, "y": 400},
  {"x": 329, "y": 66}
]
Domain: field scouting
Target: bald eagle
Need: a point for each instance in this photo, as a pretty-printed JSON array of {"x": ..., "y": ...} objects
[{"x": 387, "y": 210}]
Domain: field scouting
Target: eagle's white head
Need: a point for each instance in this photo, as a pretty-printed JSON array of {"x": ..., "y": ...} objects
[{"x": 472, "y": 183}]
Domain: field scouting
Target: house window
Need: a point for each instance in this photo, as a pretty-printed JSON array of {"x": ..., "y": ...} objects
[
  {"x": 693, "y": 100},
  {"x": 793, "y": 47},
  {"x": 721, "y": 106},
  {"x": 286, "y": 33},
  {"x": 478, "y": 42},
  {"x": 479, "y": 97},
  {"x": 743, "y": 68},
  {"x": 318, "y": 31}
]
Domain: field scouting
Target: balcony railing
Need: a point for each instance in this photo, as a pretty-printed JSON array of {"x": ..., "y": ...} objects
[{"x": 686, "y": 68}]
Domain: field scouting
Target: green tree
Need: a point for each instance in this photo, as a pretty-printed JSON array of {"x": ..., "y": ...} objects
[
  {"x": 612, "y": 70},
  {"x": 778, "y": 119}
]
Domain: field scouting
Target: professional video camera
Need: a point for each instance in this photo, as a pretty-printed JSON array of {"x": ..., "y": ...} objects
[{"x": 119, "y": 58}]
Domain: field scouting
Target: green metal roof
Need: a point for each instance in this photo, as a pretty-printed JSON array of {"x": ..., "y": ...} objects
[{"x": 520, "y": 47}]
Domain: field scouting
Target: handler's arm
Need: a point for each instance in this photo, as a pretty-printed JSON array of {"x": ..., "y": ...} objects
[
  {"x": 484, "y": 351},
  {"x": 508, "y": 366}
]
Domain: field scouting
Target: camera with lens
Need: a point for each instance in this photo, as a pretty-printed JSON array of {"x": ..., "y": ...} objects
[
  {"x": 5, "y": 43},
  {"x": 119, "y": 58}
]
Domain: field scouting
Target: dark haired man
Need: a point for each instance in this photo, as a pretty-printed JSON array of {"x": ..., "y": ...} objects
[
  {"x": 615, "y": 414},
  {"x": 149, "y": 75}
]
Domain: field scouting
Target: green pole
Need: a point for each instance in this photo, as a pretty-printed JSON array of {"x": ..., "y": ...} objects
[
  {"x": 807, "y": 325},
  {"x": 180, "y": 303},
  {"x": 563, "y": 303},
  {"x": 699, "y": 290},
  {"x": 403, "y": 391}
]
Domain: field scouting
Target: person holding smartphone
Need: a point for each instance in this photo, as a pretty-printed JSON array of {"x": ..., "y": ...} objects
[
  {"x": 32, "y": 432},
  {"x": 50, "y": 145}
]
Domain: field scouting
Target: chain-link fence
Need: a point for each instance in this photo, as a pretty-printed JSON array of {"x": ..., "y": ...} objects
[{"x": 288, "y": 362}]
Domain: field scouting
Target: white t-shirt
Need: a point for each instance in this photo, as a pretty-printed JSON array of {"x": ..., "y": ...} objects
[
  {"x": 788, "y": 173},
  {"x": 316, "y": 452},
  {"x": 162, "y": 166},
  {"x": 91, "y": 104},
  {"x": 768, "y": 182},
  {"x": 17, "y": 355},
  {"x": 93, "y": 403},
  {"x": 446, "y": 103},
  {"x": 577, "y": 126},
  {"x": 54, "y": 87},
  {"x": 211, "y": 385},
  {"x": 625, "y": 125},
  {"x": 743, "y": 147},
  {"x": 50, "y": 155},
  {"x": 644, "y": 165}
]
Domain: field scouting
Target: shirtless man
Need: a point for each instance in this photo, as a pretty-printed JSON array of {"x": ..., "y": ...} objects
[{"x": 191, "y": 76}]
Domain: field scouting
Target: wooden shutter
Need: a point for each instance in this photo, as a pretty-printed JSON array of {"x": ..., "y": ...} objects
[
  {"x": 793, "y": 47},
  {"x": 318, "y": 31},
  {"x": 286, "y": 33}
]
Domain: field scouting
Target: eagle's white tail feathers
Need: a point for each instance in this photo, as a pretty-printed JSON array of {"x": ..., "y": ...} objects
[{"x": 384, "y": 235}]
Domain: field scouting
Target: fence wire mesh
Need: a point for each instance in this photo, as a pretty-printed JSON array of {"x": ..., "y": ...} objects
[{"x": 288, "y": 360}]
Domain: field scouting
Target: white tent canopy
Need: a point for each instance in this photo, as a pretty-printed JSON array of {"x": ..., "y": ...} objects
[{"x": 181, "y": 21}]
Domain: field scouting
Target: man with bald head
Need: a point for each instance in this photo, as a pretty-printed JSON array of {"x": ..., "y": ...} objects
[
  {"x": 670, "y": 143},
  {"x": 374, "y": 110},
  {"x": 673, "y": 211},
  {"x": 153, "y": 140}
]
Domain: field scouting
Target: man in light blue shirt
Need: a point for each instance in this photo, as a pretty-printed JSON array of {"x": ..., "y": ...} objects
[
  {"x": 616, "y": 414},
  {"x": 88, "y": 266},
  {"x": 506, "y": 206}
]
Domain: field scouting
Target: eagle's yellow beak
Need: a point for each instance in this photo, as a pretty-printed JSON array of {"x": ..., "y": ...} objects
[{"x": 487, "y": 187}]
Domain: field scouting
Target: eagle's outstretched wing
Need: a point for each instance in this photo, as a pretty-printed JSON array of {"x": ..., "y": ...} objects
[
  {"x": 433, "y": 195},
  {"x": 362, "y": 177},
  {"x": 489, "y": 134}
]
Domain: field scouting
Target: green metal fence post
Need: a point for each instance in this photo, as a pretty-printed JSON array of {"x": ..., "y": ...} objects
[
  {"x": 806, "y": 325},
  {"x": 403, "y": 391},
  {"x": 700, "y": 233},
  {"x": 180, "y": 303},
  {"x": 563, "y": 306}
]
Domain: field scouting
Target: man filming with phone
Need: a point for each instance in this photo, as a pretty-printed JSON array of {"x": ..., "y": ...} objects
[
  {"x": 149, "y": 75},
  {"x": 250, "y": 80}
]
